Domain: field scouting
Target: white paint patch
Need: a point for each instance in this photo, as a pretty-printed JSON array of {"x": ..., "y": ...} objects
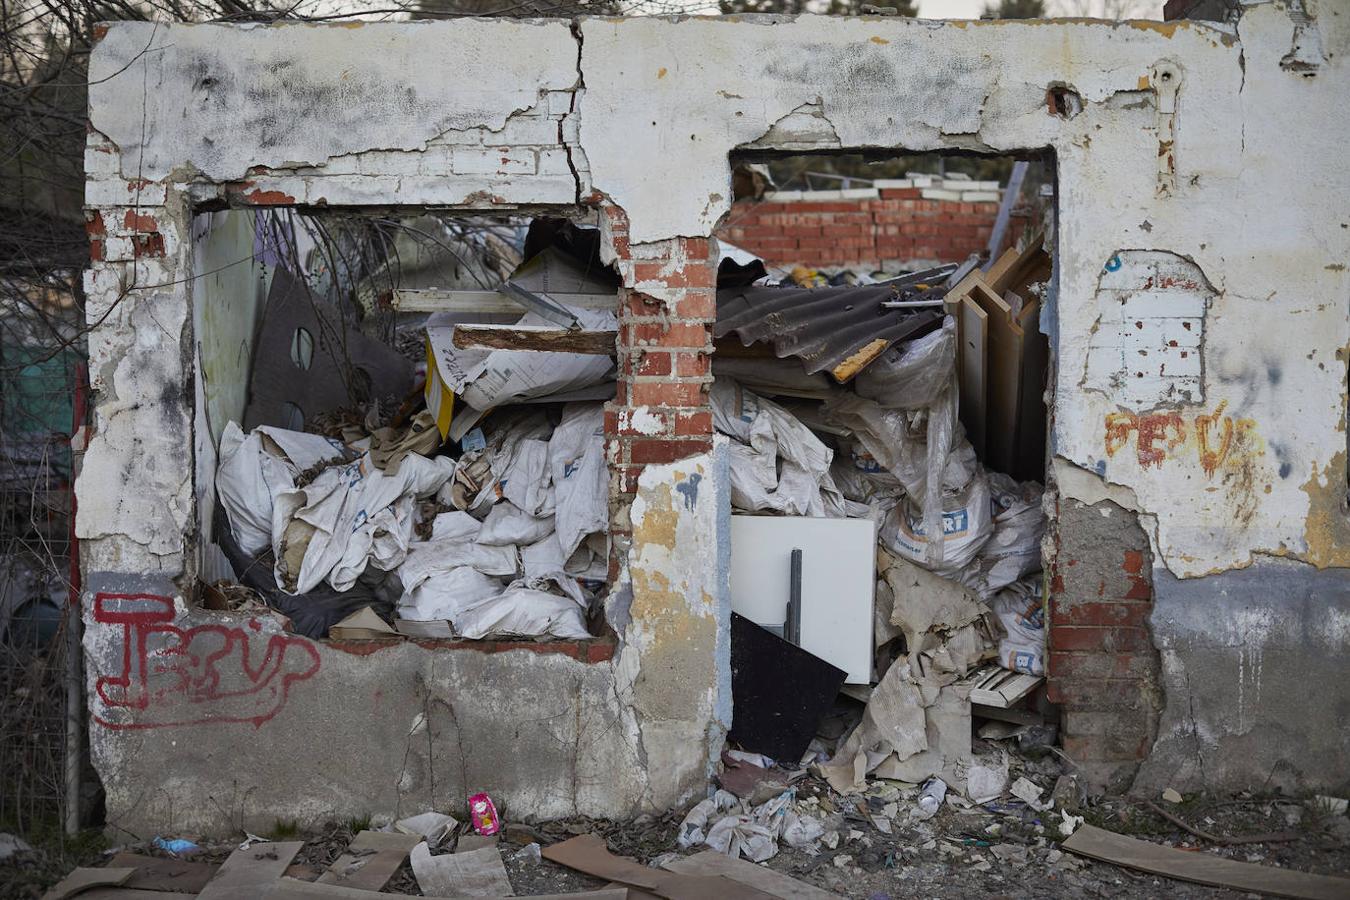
[
  {"x": 1147, "y": 346},
  {"x": 642, "y": 420}
]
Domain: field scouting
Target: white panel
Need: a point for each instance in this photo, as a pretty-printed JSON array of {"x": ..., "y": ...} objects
[{"x": 838, "y": 576}]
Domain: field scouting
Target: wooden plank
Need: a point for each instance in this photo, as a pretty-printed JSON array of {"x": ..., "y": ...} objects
[
  {"x": 487, "y": 302},
  {"x": 154, "y": 873},
  {"x": 1033, "y": 417},
  {"x": 587, "y": 853},
  {"x": 1000, "y": 688},
  {"x": 290, "y": 889},
  {"x": 1015, "y": 269},
  {"x": 1003, "y": 378},
  {"x": 87, "y": 878},
  {"x": 370, "y": 860},
  {"x": 710, "y": 862},
  {"x": 864, "y": 357},
  {"x": 534, "y": 337},
  {"x": 1202, "y": 868},
  {"x": 971, "y": 374},
  {"x": 127, "y": 893},
  {"x": 248, "y": 872}
]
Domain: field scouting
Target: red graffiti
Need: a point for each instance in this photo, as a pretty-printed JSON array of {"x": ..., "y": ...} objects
[
  {"x": 194, "y": 676},
  {"x": 1156, "y": 434}
]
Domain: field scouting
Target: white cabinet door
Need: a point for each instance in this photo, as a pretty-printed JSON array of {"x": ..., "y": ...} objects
[{"x": 838, "y": 578}]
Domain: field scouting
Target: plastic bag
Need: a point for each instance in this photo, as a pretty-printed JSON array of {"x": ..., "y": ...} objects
[
  {"x": 580, "y": 478},
  {"x": 1014, "y": 549},
  {"x": 255, "y": 469},
  {"x": 966, "y": 524},
  {"x": 521, "y": 610},
  {"x": 349, "y": 517},
  {"x": 777, "y": 463},
  {"x": 1022, "y": 615},
  {"x": 508, "y": 524},
  {"x": 912, "y": 375}
]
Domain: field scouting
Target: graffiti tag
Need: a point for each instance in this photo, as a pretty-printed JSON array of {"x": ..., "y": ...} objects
[
  {"x": 1213, "y": 438},
  {"x": 194, "y": 676}
]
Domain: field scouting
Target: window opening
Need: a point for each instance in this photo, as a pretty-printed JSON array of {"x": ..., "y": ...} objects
[{"x": 400, "y": 454}]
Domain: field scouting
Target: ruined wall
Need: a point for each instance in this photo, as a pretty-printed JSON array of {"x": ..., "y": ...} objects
[
  {"x": 906, "y": 223},
  {"x": 1197, "y": 157}
]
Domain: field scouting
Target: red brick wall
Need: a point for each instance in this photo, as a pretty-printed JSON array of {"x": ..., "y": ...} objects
[
  {"x": 660, "y": 411},
  {"x": 899, "y": 227},
  {"x": 1103, "y": 667}
]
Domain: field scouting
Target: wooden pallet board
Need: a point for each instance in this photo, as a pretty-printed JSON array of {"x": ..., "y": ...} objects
[{"x": 997, "y": 687}]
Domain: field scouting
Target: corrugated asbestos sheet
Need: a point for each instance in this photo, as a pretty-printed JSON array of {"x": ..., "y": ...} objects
[{"x": 830, "y": 329}]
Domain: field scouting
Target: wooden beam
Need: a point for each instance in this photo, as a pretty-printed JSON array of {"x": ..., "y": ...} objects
[
  {"x": 534, "y": 337},
  {"x": 430, "y": 300}
]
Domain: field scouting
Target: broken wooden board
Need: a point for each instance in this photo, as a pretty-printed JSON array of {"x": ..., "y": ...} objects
[
  {"x": 1202, "y": 868},
  {"x": 863, "y": 357},
  {"x": 247, "y": 872},
  {"x": 290, "y": 889},
  {"x": 1002, "y": 376},
  {"x": 474, "y": 873},
  {"x": 587, "y": 853},
  {"x": 710, "y": 862},
  {"x": 1015, "y": 269},
  {"x": 154, "y": 873},
  {"x": 972, "y": 365},
  {"x": 997, "y": 687},
  {"x": 85, "y": 879},
  {"x": 370, "y": 860},
  {"x": 546, "y": 338}
]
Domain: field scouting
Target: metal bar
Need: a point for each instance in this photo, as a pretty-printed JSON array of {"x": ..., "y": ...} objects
[
  {"x": 538, "y": 303},
  {"x": 910, "y": 304},
  {"x": 792, "y": 628},
  {"x": 1010, "y": 194}
]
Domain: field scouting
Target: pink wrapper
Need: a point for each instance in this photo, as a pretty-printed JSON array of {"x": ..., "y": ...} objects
[{"x": 483, "y": 815}]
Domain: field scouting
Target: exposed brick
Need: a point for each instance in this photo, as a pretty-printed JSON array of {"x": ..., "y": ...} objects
[
  {"x": 667, "y": 393},
  {"x": 1075, "y": 637},
  {"x": 697, "y": 304},
  {"x": 693, "y": 423},
  {"x": 674, "y": 334},
  {"x": 662, "y": 451},
  {"x": 653, "y": 363},
  {"x": 142, "y": 222},
  {"x": 1100, "y": 613},
  {"x": 692, "y": 364}
]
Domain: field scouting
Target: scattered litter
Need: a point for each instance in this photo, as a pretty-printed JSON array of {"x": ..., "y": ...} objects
[
  {"x": 1069, "y": 823},
  {"x": 1027, "y": 791},
  {"x": 1330, "y": 806},
  {"x": 250, "y": 839},
  {"x": 176, "y": 846},
  {"x": 11, "y": 845},
  {"x": 528, "y": 855},
  {"x": 433, "y": 827},
  {"x": 930, "y": 799},
  {"x": 483, "y": 816},
  {"x": 1171, "y": 796}
]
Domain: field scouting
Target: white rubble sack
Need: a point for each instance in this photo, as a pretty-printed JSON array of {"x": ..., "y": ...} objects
[
  {"x": 521, "y": 610},
  {"x": 1022, "y": 615},
  {"x": 256, "y": 468},
  {"x": 580, "y": 478},
  {"x": 764, "y": 432},
  {"x": 355, "y": 515}
]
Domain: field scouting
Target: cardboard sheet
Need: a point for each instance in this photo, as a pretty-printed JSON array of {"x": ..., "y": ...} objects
[
  {"x": 247, "y": 873},
  {"x": 372, "y": 857},
  {"x": 587, "y": 853},
  {"x": 83, "y": 879},
  {"x": 155, "y": 873},
  {"x": 710, "y": 862},
  {"x": 475, "y": 873},
  {"x": 1201, "y": 868},
  {"x": 362, "y": 625}
]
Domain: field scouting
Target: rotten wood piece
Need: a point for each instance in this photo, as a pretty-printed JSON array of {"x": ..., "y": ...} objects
[
  {"x": 370, "y": 860},
  {"x": 710, "y": 862},
  {"x": 534, "y": 337},
  {"x": 587, "y": 853},
  {"x": 154, "y": 873},
  {"x": 1202, "y": 868},
  {"x": 247, "y": 873},
  {"x": 85, "y": 879}
]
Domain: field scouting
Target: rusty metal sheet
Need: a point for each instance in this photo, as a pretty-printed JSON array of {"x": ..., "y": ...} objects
[{"x": 830, "y": 329}]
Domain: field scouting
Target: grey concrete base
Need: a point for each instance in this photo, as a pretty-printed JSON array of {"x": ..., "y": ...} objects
[{"x": 1256, "y": 680}]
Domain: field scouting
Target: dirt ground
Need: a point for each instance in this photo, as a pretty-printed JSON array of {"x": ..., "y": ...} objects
[{"x": 1003, "y": 850}]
